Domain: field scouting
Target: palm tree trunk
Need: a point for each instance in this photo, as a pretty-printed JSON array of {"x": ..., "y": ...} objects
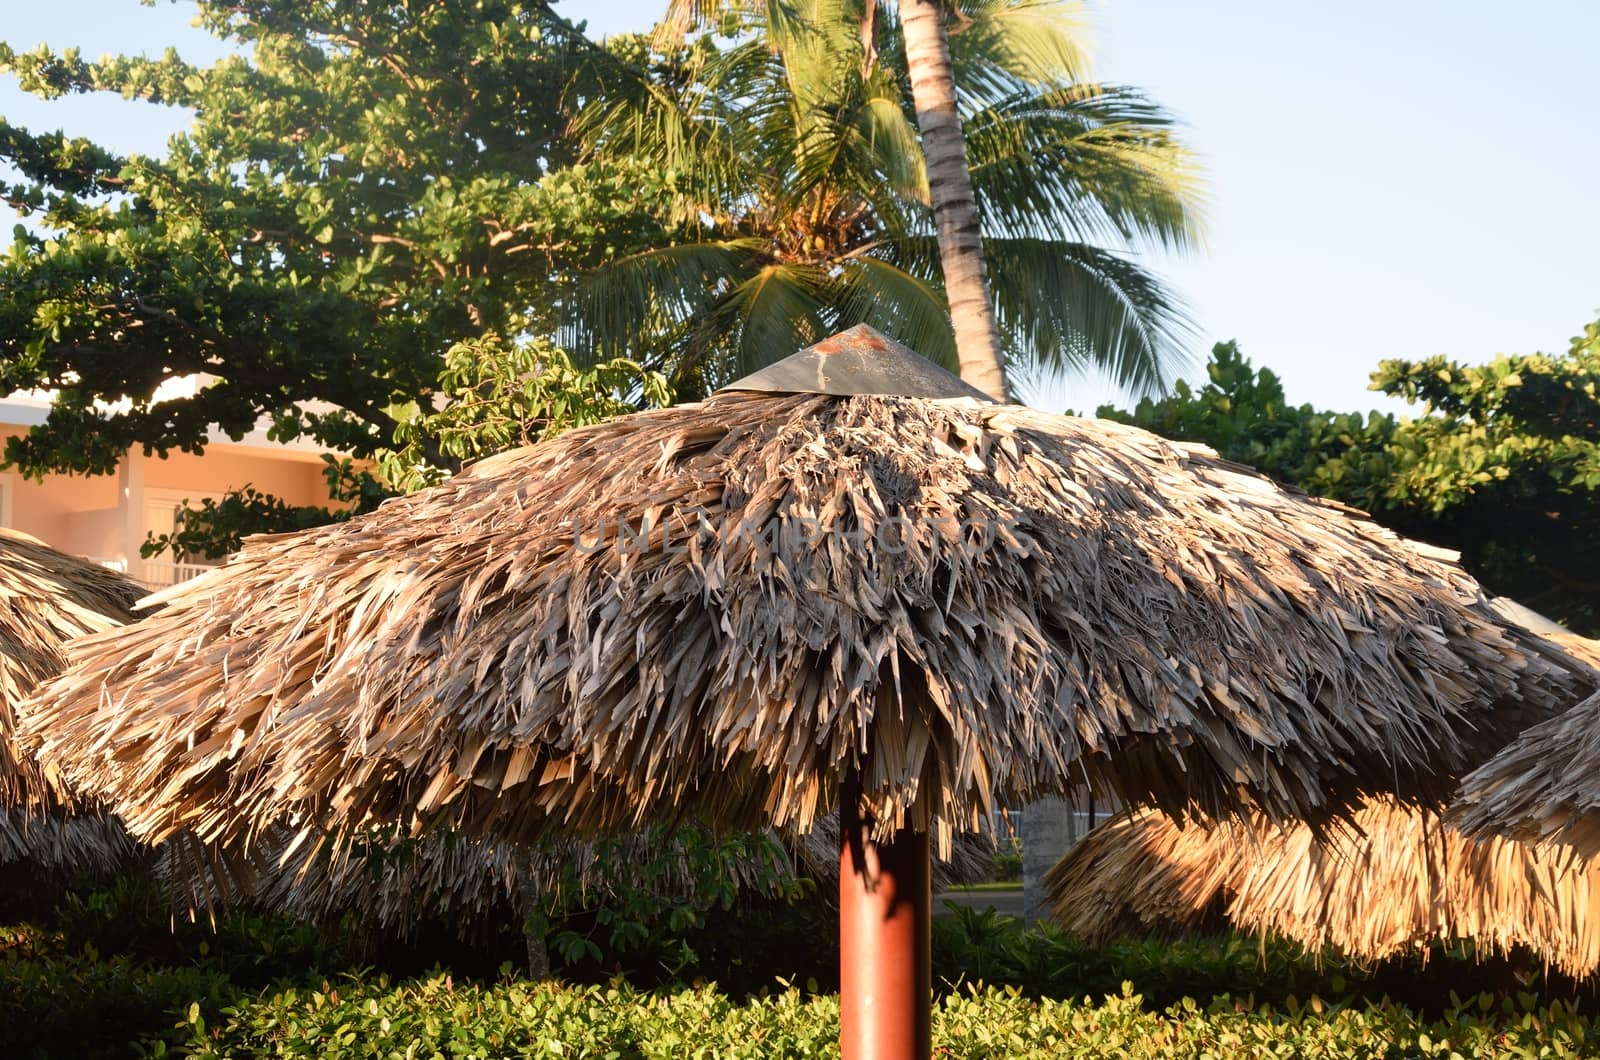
[{"x": 955, "y": 209}]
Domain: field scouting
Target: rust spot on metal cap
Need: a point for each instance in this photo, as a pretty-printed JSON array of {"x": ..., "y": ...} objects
[{"x": 858, "y": 360}]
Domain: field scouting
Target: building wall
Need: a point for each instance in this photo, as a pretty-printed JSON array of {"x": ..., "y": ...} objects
[
  {"x": 294, "y": 476},
  {"x": 96, "y": 533},
  {"x": 107, "y": 517},
  {"x": 72, "y": 512}
]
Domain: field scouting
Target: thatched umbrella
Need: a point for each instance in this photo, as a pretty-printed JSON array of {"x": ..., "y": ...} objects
[
  {"x": 738, "y": 609},
  {"x": 47, "y": 597},
  {"x": 1399, "y": 881},
  {"x": 1543, "y": 788},
  {"x": 1398, "y": 878}
]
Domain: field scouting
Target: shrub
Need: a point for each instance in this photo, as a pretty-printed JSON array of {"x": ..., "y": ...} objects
[
  {"x": 1006, "y": 864},
  {"x": 982, "y": 946},
  {"x": 84, "y": 1007},
  {"x": 131, "y": 915},
  {"x": 375, "y": 1018},
  {"x": 635, "y": 906}
]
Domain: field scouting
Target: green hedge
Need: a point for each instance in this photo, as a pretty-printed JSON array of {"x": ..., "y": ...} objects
[
  {"x": 110, "y": 974},
  {"x": 433, "y": 1017},
  {"x": 87, "y": 1008}
]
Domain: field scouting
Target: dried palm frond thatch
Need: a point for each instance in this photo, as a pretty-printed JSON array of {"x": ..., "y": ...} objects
[
  {"x": 474, "y": 884},
  {"x": 722, "y": 609},
  {"x": 46, "y": 598},
  {"x": 1395, "y": 879},
  {"x": 470, "y": 884},
  {"x": 1139, "y": 872},
  {"x": 60, "y": 843},
  {"x": 1543, "y": 788}
]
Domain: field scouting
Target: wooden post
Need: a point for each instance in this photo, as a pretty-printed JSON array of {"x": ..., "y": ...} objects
[{"x": 885, "y": 939}]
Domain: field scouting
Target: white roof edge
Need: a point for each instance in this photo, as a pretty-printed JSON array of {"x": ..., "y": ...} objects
[{"x": 27, "y": 414}]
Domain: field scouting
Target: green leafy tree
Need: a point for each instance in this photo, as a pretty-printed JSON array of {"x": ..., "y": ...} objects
[
  {"x": 494, "y": 393},
  {"x": 363, "y": 187},
  {"x": 1242, "y": 413},
  {"x": 502, "y": 392},
  {"x": 804, "y": 199},
  {"x": 1505, "y": 466},
  {"x": 1503, "y": 463}
]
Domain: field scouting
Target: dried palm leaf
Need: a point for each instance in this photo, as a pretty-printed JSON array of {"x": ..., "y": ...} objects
[
  {"x": 1398, "y": 880},
  {"x": 46, "y": 598},
  {"x": 1141, "y": 873},
  {"x": 1543, "y": 788}
]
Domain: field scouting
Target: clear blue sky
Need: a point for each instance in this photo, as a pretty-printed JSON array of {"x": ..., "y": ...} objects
[{"x": 1387, "y": 179}]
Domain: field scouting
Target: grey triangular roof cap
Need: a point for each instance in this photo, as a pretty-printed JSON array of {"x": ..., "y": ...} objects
[{"x": 858, "y": 360}]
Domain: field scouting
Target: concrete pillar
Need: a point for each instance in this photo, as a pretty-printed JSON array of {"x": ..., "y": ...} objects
[
  {"x": 1048, "y": 829},
  {"x": 130, "y": 498}
]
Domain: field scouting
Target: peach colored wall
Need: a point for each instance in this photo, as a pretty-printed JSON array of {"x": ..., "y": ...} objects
[
  {"x": 57, "y": 493},
  {"x": 295, "y": 479},
  {"x": 98, "y": 533},
  {"x": 46, "y": 526},
  {"x": 87, "y": 516}
]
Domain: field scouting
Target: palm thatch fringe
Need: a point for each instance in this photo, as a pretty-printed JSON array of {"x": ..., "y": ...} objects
[
  {"x": 478, "y": 884},
  {"x": 1399, "y": 879},
  {"x": 1544, "y": 787},
  {"x": 46, "y": 598},
  {"x": 713, "y": 611},
  {"x": 1140, "y": 873},
  {"x": 58, "y": 844}
]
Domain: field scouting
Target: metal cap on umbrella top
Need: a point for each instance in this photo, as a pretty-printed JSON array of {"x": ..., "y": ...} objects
[
  {"x": 859, "y": 360},
  {"x": 729, "y": 609}
]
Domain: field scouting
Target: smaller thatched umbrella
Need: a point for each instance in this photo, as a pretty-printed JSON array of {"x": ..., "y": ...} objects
[
  {"x": 1543, "y": 788},
  {"x": 1398, "y": 878},
  {"x": 47, "y": 598},
  {"x": 1402, "y": 880}
]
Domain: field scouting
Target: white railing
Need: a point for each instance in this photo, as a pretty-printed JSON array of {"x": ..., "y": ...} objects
[{"x": 157, "y": 575}]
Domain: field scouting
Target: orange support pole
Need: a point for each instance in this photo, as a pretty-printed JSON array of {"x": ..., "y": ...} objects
[{"x": 885, "y": 940}]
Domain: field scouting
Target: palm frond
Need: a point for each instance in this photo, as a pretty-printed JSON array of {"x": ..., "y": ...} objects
[
  {"x": 996, "y": 43},
  {"x": 1067, "y": 307},
  {"x": 621, "y": 307},
  {"x": 781, "y": 309},
  {"x": 683, "y": 17},
  {"x": 769, "y": 313},
  {"x": 890, "y": 138},
  {"x": 1098, "y": 162},
  {"x": 907, "y": 306},
  {"x": 701, "y": 118}
]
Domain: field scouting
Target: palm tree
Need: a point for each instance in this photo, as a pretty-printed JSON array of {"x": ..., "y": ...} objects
[
  {"x": 804, "y": 201},
  {"x": 955, "y": 213}
]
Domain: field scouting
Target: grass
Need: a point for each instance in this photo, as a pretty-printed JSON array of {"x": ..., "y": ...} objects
[{"x": 986, "y": 886}]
